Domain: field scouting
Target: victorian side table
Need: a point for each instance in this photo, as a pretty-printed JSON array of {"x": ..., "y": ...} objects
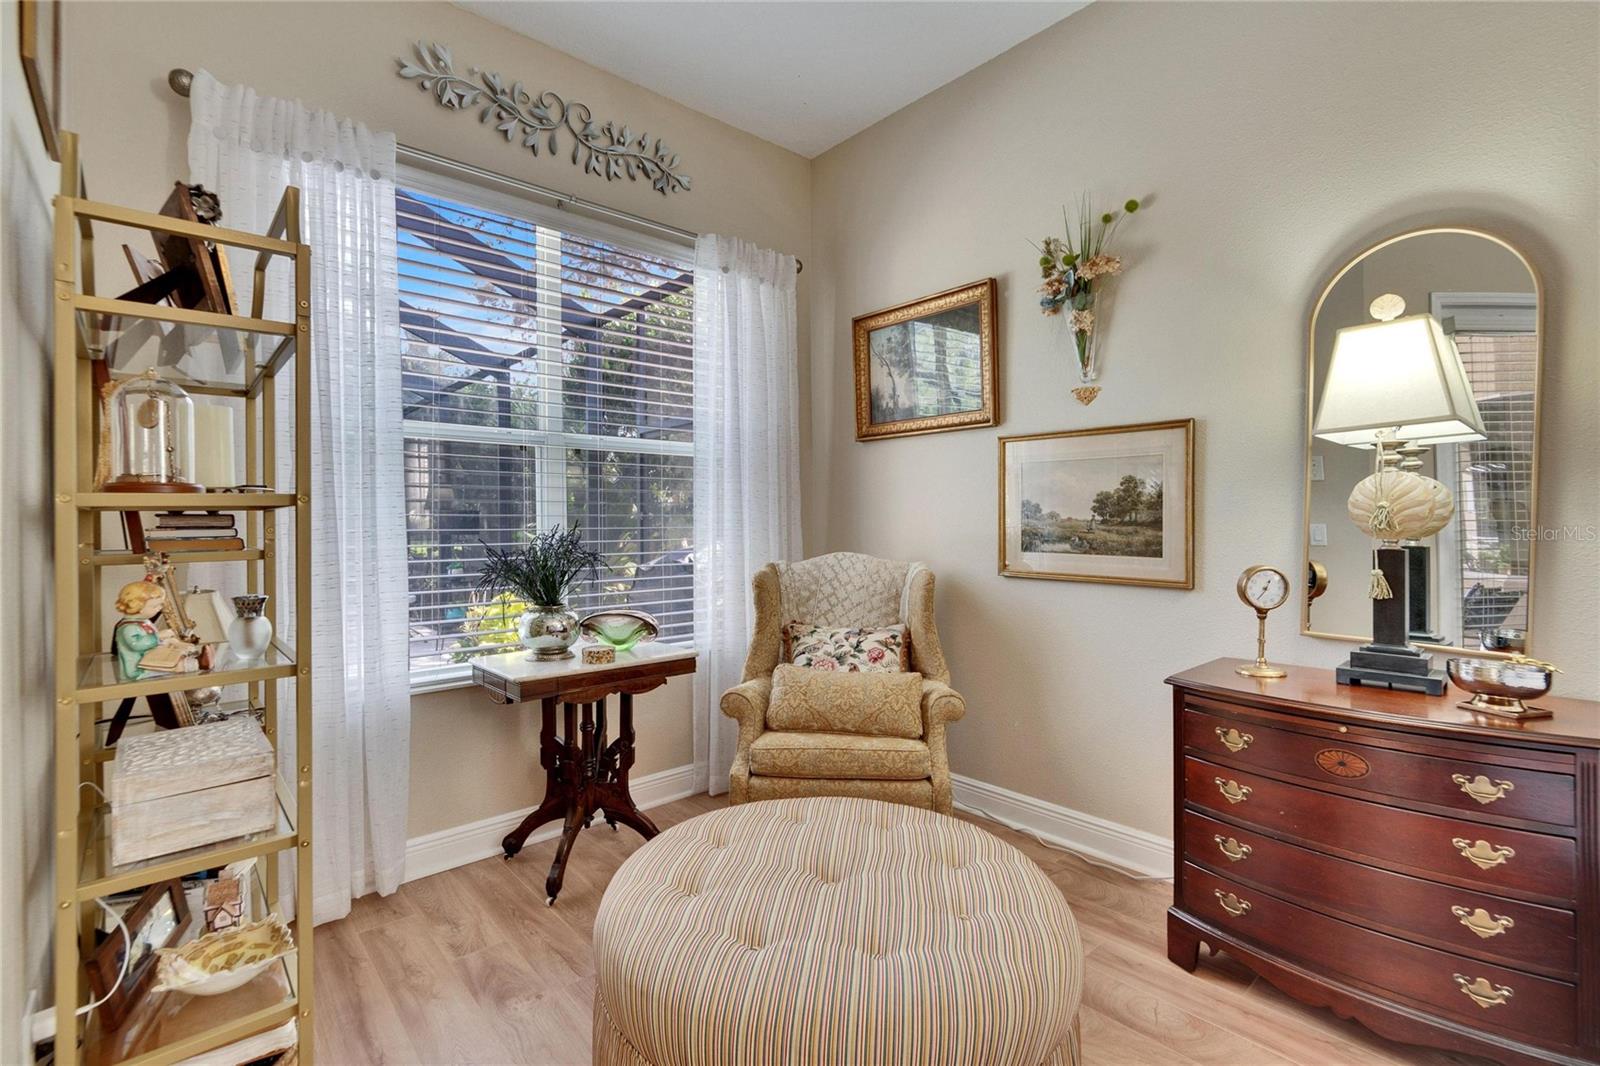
[{"x": 584, "y": 772}]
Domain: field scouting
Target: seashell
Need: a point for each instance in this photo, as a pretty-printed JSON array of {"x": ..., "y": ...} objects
[
  {"x": 220, "y": 962},
  {"x": 1395, "y": 505}
]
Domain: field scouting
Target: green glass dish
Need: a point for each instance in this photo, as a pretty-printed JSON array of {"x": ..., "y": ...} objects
[{"x": 621, "y": 627}]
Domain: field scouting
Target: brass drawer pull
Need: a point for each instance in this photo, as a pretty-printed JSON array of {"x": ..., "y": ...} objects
[
  {"x": 1231, "y": 790},
  {"x": 1482, "y": 854},
  {"x": 1233, "y": 740},
  {"x": 1480, "y": 921},
  {"x": 1481, "y": 992},
  {"x": 1232, "y": 903},
  {"x": 1232, "y": 848},
  {"x": 1481, "y": 788}
]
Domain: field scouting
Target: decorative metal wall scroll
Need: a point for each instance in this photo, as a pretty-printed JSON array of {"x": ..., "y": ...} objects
[{"x": 607, "y": 149}]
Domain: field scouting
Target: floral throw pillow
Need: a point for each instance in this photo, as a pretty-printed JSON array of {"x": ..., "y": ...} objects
[{"x": 853, "y": 651}]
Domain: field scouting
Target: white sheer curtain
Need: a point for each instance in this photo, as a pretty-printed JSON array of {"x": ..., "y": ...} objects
[
  {"x": 247, "y": 148},
  {"x": 746, "y": 464}
]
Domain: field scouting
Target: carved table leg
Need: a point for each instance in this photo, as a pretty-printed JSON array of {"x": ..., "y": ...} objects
[
  {"x": 577, "y": 790},
  {"x": 553, "y": 757},
  {"x": 615, "y": 798},
  {"x": 569, "y": 837}
]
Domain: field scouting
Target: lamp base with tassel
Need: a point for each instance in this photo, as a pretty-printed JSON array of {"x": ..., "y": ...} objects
[{"x": 1390, "y": 661}]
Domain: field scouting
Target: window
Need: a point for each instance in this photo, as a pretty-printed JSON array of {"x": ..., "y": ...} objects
[
  {"x": 547, "y": 377},
  {"x": 1489, "y": 545}
]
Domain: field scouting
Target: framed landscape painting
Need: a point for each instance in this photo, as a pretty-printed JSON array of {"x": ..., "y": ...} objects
[
  {"x": 929, "y": 365},
  {"x": 1113, "y": 505}
]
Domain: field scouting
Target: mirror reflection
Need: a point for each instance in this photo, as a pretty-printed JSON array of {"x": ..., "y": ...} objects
[{"x": 1470, "y": 582}]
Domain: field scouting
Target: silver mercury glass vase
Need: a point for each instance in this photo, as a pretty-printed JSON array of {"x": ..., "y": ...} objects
[{"x": 548, "y": 632}]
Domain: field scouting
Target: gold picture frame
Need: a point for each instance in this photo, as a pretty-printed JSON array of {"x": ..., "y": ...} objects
[
  {"x": 1097, "y": 505},
  {"x": 896, "y": 396},
  {"x": 39, "y": 41}
]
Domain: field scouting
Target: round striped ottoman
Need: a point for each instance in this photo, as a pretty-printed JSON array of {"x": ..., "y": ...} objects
[{"x": 835, "y": 932}]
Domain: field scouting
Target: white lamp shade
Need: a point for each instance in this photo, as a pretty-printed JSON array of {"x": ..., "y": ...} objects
[{"x": 1401, "y": 379}]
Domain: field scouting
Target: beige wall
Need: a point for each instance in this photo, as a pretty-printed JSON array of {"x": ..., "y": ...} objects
[
  {"x": 1268, "y": 141},
  {"x": 29, "y": 180},
  {"x": 470, "y": 758}
]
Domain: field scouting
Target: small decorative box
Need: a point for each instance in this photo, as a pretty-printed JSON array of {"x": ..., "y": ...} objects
[
  {"x": 189, "y": 787},
  {"x": 599, "y": 654}
]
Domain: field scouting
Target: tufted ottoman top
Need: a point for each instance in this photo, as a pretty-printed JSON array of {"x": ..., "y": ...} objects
[{"x": 834, "y": 931}]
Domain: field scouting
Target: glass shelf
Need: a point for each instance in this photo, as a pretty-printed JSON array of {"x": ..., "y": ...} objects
[
  {"x": 99, "y": 677},
  {"x": 125, "y": 558},
  {"x": 98, "y": 877},
  {"x": 218, "y": 355},
  {"x": 183, "y": 501},
  {"x": 168, "y": 1027}
]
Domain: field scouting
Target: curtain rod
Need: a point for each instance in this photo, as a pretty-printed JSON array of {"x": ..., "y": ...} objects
[{"x": 182, "y": 81}]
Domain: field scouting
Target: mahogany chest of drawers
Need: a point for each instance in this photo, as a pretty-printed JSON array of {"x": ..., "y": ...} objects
[{"x": 1432, "y": 873}]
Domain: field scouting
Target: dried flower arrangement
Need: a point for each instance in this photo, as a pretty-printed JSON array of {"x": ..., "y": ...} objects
[{"x": 1071, "y": 266}]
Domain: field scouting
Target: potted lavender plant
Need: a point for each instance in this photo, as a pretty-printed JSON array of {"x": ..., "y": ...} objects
[{"x": 541, "y": 571}]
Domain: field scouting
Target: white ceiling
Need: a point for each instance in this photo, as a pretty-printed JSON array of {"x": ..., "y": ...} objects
[{"x": 805, "y": 75}]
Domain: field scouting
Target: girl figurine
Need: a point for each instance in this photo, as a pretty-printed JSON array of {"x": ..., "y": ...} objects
[{"x": 138, "y": 602}]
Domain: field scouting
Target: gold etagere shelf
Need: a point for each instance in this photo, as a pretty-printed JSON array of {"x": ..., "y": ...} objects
[{"x": 274, "y": 353}]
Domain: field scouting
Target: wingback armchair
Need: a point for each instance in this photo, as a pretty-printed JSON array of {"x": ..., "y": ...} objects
[{"x": 843, "y": 590}]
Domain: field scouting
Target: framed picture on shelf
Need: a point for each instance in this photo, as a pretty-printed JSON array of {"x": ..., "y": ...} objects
[
  {"x": 39, "y": 41},
  {"x": 928, "y": 365},
  {"x": 1113, "y": 505},
  {"x": 158, "y": 919}
]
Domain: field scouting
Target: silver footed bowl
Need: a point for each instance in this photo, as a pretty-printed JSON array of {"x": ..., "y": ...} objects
[{"x": 1503, "y": 679}]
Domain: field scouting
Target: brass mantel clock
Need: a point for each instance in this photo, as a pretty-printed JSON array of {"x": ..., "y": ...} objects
[{"x": 1263, "y": 588}]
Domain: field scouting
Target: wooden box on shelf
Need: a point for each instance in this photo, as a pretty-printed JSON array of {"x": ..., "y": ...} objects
[{"x": 185, "y": 788}]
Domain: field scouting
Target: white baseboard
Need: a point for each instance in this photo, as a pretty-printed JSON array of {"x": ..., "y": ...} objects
[
  {"x": 1122, "y": 846},
  {"x": 1134, "y": 850},
  {"x": 446, "y": 849}
]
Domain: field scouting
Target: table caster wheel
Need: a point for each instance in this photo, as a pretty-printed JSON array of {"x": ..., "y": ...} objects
[{"x": 551, "y": 902}]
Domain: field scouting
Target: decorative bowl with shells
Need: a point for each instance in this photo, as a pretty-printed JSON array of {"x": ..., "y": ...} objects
[{"x": 221, "y": 962}]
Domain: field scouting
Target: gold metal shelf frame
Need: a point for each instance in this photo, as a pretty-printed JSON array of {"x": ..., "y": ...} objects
[{"x": 275, "y": 349}]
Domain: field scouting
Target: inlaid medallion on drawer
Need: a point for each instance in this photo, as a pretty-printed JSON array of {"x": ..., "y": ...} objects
[
  {"x": 1332, "y": 758},
  {"x": 1488, "y": 927},
  {"x": 1468, "y": 989},
  {"x": 1501, "y": 860}
]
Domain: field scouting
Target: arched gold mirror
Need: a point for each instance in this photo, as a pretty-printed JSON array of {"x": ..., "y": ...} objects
[{"x": 1471, "y": 583}]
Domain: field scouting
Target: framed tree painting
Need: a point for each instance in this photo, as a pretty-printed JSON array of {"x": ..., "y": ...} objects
[
  {"x": 1113, "y": 505},
  {"x": 928, "y": 365}
]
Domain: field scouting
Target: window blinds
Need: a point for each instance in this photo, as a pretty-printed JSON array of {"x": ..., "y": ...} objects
[
  {"x": 1494, "y": 482},
  {"x": 547, "y": 378}
]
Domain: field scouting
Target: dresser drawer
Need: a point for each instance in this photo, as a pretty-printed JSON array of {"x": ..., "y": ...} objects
[
  {"x": 1512, "y": 1001},
  {"x": 1498, "y": 859},
  {"x": 1469, "y": 785},
  {"x": 1492, "y": 928}
]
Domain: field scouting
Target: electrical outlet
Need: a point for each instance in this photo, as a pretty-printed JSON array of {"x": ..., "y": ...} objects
[
  {"x": 1316, "y": 468},
  {"x": 1319, "y": 535}
]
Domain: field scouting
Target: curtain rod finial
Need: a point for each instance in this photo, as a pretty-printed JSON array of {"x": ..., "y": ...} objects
[{"x": 180, "y": 80}]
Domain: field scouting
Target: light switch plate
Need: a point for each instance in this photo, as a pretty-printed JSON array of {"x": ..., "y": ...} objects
[
  {"x": 1316, "y": 468},
  {"x": 1319, "y": 535}
]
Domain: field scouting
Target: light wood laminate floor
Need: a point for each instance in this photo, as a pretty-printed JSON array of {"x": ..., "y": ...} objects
[{"x": 470, "y": 966}]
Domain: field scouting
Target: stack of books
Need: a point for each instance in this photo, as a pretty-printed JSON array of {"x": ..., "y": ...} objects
[{"x": 193, "y": 531}]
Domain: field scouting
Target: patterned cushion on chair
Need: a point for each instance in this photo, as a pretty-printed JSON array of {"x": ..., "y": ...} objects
[
  {"x": 847, "y": 650},
  {"x": 818, "y": 701},
  {"x": 844, "y": 589},
  {"x": 842, "y": 756}
]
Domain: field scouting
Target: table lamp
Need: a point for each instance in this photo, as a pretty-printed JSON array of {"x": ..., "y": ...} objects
[{"x": 1396, "y": 385}]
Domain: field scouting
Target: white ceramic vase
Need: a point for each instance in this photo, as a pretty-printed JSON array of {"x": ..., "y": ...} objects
[{"x": 250, "y": 633}]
